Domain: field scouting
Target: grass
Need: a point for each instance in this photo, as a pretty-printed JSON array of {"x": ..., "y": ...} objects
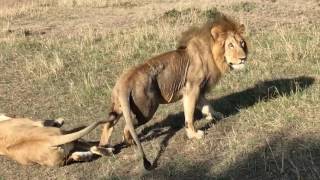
[{"x": 271, "y": 129}]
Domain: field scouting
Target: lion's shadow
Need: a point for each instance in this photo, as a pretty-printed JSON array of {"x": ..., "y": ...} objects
[{"x": 228, "y": 105}]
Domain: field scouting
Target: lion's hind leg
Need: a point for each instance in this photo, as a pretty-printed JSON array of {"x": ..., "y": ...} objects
[
  {"x": 106, "y": 134},
  {"x": 127, "y": 138}
]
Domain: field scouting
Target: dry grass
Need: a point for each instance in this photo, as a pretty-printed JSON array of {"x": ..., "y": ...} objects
[{"x": 62, "y": 58}]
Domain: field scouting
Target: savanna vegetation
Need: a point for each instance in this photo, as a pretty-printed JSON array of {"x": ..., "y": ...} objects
[{"x": 61, "y": 58}]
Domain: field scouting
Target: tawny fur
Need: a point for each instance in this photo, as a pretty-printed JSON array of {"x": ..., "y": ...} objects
[
  {"x": 203, "y": 56},
  {"x": 30, "y": 142}
]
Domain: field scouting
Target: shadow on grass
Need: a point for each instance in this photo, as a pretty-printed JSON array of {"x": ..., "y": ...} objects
[
  {"x": 279, "y": 158},
  {"x": 229, "y": 105},
  {"x": 262, "y": 91}
]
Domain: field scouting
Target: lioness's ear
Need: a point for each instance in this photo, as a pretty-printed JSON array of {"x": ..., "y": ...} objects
[{"x": 242, "y": 29}]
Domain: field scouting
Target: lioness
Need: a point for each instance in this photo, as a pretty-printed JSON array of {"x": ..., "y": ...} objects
[
  {"x": 28, "y": 141},
  {"x": 203, "y": 56}
]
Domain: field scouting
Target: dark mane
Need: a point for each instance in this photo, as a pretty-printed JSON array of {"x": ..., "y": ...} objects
[{"x": 204, "y": 31}]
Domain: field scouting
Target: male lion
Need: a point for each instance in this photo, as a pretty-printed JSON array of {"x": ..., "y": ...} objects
[
  {"x": 203, "y": 56},
  {"x": 28, "y": 141}
]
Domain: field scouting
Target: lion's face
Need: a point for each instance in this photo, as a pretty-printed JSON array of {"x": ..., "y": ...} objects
[
  {"x": 230, "y": 46},
  {"x": 235, "y": 51}
]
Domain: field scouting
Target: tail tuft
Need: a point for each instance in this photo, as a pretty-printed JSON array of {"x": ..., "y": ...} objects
[
  {"x": 113, "y": 116},
  {"x": 147, "y": 165}
]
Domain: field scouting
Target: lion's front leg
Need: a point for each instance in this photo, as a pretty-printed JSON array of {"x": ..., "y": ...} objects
[
  {"x": 189, "y": 103},
  {"x": 206, "y": 109}
]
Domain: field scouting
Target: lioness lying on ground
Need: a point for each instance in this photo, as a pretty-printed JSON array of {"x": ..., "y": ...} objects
[
  {"x": 203, "y": 56},
  {"x": 28, "y": 141}
]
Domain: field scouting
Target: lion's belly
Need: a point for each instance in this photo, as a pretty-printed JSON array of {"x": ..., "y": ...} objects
[{"x": 172, "y": 79}]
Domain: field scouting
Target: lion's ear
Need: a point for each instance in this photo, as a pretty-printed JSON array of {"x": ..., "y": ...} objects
[
  {"x": 242, "y": 29},
  {"x": 216, "y": 31}
]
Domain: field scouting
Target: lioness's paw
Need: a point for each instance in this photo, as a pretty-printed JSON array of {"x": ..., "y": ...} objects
[
  {"x": 195, "y": 135},
  {"x": 59, "y": 122},
  {"x": 102, "y": 151}
]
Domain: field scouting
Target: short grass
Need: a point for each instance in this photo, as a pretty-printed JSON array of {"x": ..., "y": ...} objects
[{"x": 271, "y": 129}]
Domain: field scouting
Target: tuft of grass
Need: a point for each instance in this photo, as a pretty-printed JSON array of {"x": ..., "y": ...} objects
[
  {"x": 243, "y": 6},
  {"x": 173, "y": 16},
  {"x": 189, "y": 15},
  {"x": 127, "y": 4},
  {"x": 210, "y": 13}
]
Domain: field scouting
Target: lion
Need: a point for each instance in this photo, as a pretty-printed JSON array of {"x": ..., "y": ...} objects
[
  {"x": 42, "y": 142},
  {"x": 204, "y": 54}
]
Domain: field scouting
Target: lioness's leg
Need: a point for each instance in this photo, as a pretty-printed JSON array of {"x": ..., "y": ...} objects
[
  {"x": 54, "y": 123},
  {"x": 101, "y": 151},
  {"x": 49, "y": 123},
  {"x": 189, "y": 104},
  {"x": 4, "y": 117},
  {"x": 206, "y": 109},
  {"x": 80, "y": 156}
]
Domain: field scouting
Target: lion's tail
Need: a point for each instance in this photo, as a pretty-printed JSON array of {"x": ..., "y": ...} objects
[
  {"x": 113, "y": 115},
  {"x": 124, "y": 98}
]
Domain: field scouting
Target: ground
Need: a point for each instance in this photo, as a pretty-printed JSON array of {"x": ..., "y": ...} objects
[{"x": 62, "y": 58}]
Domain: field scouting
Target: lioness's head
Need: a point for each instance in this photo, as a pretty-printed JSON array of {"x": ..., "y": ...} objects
[{"x": 231, "y": 43}]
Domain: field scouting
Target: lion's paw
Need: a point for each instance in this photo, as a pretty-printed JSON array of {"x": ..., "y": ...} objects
[
  {"x": 128, "y": 140},
  {"x": 195, "y": 135}
]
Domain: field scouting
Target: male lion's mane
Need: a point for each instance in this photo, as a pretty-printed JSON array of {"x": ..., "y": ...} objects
[
  {"x": 199, "y": 41},
  {"x": 204, "y": 32}
]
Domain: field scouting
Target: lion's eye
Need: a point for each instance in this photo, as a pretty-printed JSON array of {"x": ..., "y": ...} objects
[{"x": 230, "y": 45}]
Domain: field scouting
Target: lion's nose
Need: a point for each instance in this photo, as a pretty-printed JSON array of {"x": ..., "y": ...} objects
[{"x": 242, "y": 60}]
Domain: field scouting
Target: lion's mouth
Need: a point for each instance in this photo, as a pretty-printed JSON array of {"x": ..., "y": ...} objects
[{"x": 239, "y": 66}]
